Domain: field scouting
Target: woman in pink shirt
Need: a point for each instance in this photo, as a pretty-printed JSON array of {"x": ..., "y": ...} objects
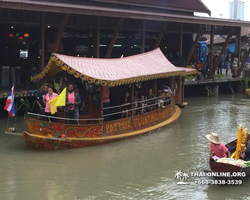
[
  {"x": 216, "y": 147},
  {"x": 46, "y": 98},
  {"x": 106, "y": 101}
]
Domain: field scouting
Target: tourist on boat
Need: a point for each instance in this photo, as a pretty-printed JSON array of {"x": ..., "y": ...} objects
[
  {"x": 125, "y": 105},
  {"x": 46, "y": 98},
  {"x": 216, "y": 148},
  {"x": 63, "y": 83},
  {"x": 142, "y": 105},
  {"x": 39, "y": 99},
  {"x": 159, "y": 99},
  {"x": 52, "y": 85},
  {"x": 82, "y": 105},
  {"x": 106, "y": 101},
  {"x": 150, "y": 100},
  {"x": 71, "y": 109}
]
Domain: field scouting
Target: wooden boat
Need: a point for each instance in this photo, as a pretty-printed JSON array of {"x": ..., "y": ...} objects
[
  {"x": 92, "y": 129},
  {"x": 223, "y": 167}
]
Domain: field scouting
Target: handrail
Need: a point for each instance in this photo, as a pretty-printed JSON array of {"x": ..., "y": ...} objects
[
  {"x": 136, "y": 108},
  {"x": 133, "y": 102},
  {"x": 28, "y": 113}
]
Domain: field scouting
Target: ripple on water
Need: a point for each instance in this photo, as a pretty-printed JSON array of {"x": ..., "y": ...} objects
[{"x": 136, "y": 169}]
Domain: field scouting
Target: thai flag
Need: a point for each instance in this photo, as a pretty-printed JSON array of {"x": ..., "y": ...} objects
[{"x": 9, "y": 104}]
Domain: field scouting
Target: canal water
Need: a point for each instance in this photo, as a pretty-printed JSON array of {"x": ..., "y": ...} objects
[{"x": 136, "y": 169}]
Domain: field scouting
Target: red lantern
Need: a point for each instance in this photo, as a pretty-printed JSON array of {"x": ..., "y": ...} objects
[{"x": 11, "y": 35}]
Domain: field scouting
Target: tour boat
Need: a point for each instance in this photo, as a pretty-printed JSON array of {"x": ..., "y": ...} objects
[{"x": 92, "y": 130}]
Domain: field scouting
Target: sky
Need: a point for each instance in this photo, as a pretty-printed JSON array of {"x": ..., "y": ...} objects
[{"x": 220, "y": 8}]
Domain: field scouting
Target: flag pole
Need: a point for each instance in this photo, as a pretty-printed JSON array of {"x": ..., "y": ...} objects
[{"x": 8, "y": 120}]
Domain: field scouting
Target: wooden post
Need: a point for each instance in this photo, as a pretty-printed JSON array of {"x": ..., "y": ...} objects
[
  {"x": 133, "y": 98},
  {"x": 155, "y": 89},
  {"x": 238, "y": 50},
  {"x": 97, "y": 40},
  {"x": 161, "y": 34},
  {"x": 200, "y": 31},
  {"x": 60, "y": 32},
  {"x": 101, "y": 101},
  {"x": 113, "y": 39},
  {"x": 42, "y": 42},
  {"x": 222, "y": 50},
  {"x": 211, "y": 58},
  {"x": 143, "y": 37},
  {"x": 181, "y": 41}
]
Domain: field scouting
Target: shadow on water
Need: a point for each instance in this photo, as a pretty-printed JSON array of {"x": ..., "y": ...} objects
[{"x": 139, "y": 168}]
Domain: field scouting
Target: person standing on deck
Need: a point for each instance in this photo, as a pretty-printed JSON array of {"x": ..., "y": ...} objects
[
  {"x": 216, "y": 148},
  {"x": 39, "y": 99},
  {"x": 46, "y": 98},
  {"x": 82, "y": 104},
  {"x": 72, "y": 105},
  {"x": 106, "y": 101}
]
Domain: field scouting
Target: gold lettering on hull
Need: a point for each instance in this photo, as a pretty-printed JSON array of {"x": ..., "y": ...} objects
[
  {"x": 118, "y": 126},
  {"x": 138, "y": 121}
]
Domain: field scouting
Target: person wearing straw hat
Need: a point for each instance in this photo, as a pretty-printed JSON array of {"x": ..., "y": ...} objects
[{"x": 216, "y": 147}]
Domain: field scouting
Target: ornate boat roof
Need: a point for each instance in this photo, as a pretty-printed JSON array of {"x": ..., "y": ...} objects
[{"x": 115, "y": 71}]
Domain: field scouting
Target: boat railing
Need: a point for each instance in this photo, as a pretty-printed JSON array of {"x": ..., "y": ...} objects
[
  {"x": 138, "y": 108},
  {"x": 134, "y": 103},
  {"x": 28, "y": 114}
]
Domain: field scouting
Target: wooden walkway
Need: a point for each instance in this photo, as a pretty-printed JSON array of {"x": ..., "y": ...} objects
[{"x": 225, "y": 79}]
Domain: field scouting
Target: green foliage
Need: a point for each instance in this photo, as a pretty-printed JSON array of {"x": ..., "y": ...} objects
[
  {"x": 190, "y": 78},
  {"x": 23, "y": 103},
  {"x": 219, "y": 76}
]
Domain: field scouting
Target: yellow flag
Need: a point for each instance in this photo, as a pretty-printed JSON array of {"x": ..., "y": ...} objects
[{"x": 60, "y": 100}]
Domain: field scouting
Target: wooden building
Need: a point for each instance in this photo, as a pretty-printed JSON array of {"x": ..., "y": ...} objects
[{"x": 160, "y": 19}]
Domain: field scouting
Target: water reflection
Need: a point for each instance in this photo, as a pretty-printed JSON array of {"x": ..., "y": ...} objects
[{"x": 140, "y": 168}]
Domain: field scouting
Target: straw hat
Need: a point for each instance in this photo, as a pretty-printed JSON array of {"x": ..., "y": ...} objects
[{"x": 214, "y": 138}]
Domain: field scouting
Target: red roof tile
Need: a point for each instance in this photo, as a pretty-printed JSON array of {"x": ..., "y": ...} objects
[{"x": 142, "y": 65}]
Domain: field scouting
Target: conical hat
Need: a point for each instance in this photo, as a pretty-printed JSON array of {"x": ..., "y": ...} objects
[{"x": 214, "y": 138}]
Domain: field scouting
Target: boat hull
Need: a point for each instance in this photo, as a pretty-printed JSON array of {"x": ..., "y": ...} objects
[
  {"x": 224, "y": 167},
  {"x": 48, "y": 141}
]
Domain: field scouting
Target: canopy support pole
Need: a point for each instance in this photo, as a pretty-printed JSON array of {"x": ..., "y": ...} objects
[
  {"x": 181, "y": 41},
  {"x": 113, "y": 39},
  {"x": 155, "y": 89},
  {"x": 60, "y": 32},
  {"x": 238, "y": 50},
  {"x": 161, "y": 34},
  {"x": 143, "y": 37},
  {"x": 223, "y": 50},
  {"x": 199, "y": 33},
  {"x": 97, "y": 40},
  {"x": 211, "y": 58},
  {"x": 133, "y": 97},
  {"x": 43, "y": 41},
  {"x": 101, "y": 101}
]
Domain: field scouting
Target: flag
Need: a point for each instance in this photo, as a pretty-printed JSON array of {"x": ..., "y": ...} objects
[
  {"x": 9, "y": 104},
  {"x": 60, "y": 100}
]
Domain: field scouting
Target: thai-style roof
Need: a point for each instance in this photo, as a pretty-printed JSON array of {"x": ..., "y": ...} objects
[{"x": 114, "y": 71}]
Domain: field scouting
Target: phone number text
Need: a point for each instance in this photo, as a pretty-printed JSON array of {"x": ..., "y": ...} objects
[{"x": 218, "y": 182}]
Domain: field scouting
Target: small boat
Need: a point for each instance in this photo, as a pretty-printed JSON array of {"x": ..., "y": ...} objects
[
  {"x": 92, "y": 129},
  {"x": 218, "y": 167}
]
